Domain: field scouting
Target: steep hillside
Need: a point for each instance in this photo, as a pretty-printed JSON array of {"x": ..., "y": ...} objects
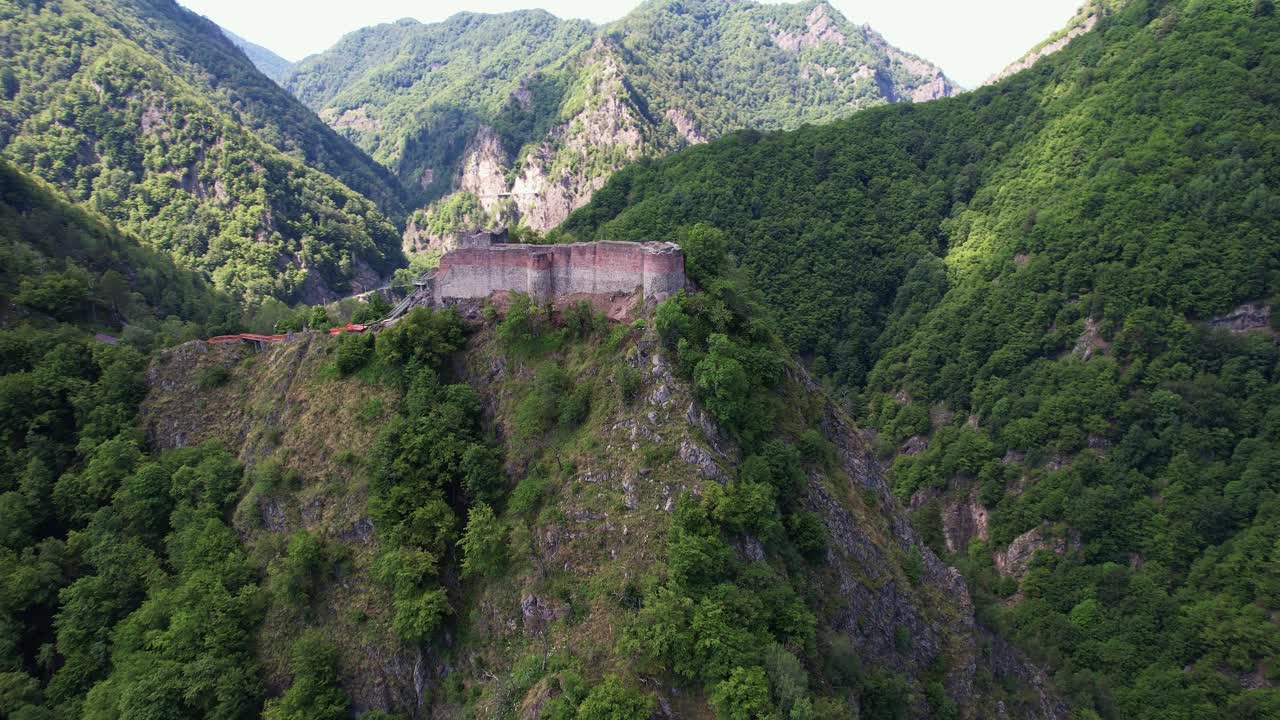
[
  {"x": 62, "y": 264},
  {"x": 81, "y": 305},
  {"x": 1053, "y": 297},
  {"x": 520, "y": 117},
  {"x": 629, "y": 551},
  {"x": 150, "y": 116},
  {"x": 267, "y": 62}
]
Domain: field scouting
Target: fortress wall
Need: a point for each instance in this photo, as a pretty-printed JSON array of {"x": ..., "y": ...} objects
[{"x": 546, "y": 272}]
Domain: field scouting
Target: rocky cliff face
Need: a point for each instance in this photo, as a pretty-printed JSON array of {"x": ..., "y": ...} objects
[
  {"x": 280, "y": 416},
  {"x": 531, "y": 115},
  {"x": 608, "y": 498},
  {"x": 954, "y": 638}
]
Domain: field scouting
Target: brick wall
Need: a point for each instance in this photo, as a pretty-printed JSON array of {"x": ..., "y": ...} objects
[{"x": 546, "y": 272}]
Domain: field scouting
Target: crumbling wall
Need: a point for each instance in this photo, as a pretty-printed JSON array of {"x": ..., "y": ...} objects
[{"x": 547, "y": 272}]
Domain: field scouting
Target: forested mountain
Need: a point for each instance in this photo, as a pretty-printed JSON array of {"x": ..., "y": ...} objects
[
  {"x": 1054, "y": 300},
  {"x": 62, "y": 264},
  {"x": 66, "y": 396},
  {"x": 520, "y": 117},
  {"x": 271, "y": 64},
  {"x": 149, "y": 115},
  {"x": 533, "y": 511},
  {"x": 971, "y": 408}
]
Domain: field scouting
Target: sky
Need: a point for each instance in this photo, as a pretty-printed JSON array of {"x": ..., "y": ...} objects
[{"x": 970, "y": 39}]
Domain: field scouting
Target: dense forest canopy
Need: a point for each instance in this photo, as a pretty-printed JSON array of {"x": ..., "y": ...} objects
[
  {"x": 150, "y": 116},
  {"x": 1052, "y": 303},
  {"x": 1031, "y": 284},
  {"x": 68, "y": 431}
]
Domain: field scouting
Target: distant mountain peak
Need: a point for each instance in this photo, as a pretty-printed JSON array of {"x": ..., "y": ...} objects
[
  {"x": 561, "y": 104},
  {"x": 267, "y": 62}
]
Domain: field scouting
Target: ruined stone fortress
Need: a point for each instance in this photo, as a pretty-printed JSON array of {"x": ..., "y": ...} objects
[{"x": 551, "y": 272}]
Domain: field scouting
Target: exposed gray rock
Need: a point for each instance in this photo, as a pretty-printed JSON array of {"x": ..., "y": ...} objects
[
  {"x": 661, "y": 395},
  {"x": 537, "y": 611},
  {"x": 1035, "y": 56},
  {"x": 693, "y": 454},
  {"x": 1007, "y": 661},
  {"x": 875, "y": 601},
  {"x": 922, "y": 497},
  {"x": 1015, "y": 560},
  {"x": 914, "y": 445},
  {"x": 629, "y": 499},
  {"x": 274, "y": 518},
  {"x": 1090, "y": 342},
  {"x": 360, "y": 531},
  {"x": 750, "y": 548},
  {"x": 964, "y": 520},
  {"x": 1246, "y": 318},
  {"x": 710, "y": 430}
]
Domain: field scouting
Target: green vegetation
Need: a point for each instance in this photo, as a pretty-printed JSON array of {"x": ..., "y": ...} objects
[
  {"x": 541, "y": 96},
  {"x": 433, "y": 454},
  {"x": 60, "y": 264},
  {"x": 413, "y": 94},
  {"x": 1024, "y": 278},
  {"x": 125, "y": 590},
  {"x": 145, "y": 113},
  {"x": 611, "y": 700},
  {"x": 1021, "y": 291},
  {"x": 313, "y": 694}
]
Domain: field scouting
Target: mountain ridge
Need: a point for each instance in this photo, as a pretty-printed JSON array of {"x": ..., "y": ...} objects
[
  {"x": 603, "y": 96},
  {"x": 266, "y": 60},
  {"x": 1004, "y": 283},
  {"x": 159, "y": 122}
]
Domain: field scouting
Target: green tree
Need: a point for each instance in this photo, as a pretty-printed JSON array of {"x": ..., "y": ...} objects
[
  {"x": 705, "y": 253},
  {"x": 314, "y": 694},
  {"x": 612, "y": 700},
  {"x": 355, "y": 350},
  {"x": 744, "y": 695},
  {"x": 483, "y": 543}
]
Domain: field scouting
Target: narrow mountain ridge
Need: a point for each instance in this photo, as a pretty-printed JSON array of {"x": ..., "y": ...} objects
[
  {"x": 1085, "y": 20},
  {"x": 271, "y": 64}
]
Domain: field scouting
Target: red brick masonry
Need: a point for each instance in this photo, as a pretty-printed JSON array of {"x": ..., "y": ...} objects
[{"x": 546, "y": 272}]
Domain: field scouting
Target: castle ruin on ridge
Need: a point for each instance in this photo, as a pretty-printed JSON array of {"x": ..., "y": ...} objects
[{"x": 547, "y": 273}]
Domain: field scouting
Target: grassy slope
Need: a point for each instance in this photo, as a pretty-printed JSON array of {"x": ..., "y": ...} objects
[{"x": 305, "y": 432}]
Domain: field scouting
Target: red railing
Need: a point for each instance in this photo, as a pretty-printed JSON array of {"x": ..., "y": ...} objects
[
  {"x": 257, "y": 337},
  {"x": 246, "y": 336}
]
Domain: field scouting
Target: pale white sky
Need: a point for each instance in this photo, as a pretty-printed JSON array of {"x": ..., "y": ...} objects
[{"x": 970, "y": 39}]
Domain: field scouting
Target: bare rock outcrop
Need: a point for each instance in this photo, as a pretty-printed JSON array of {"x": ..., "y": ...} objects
[
  {"x": 963, "y": 520},
  {"x": 484, "y": 168},
  {"x": 685, "y": 125},
  {"x": 1249, "y": 317},
  {"x": 1015, "y": 560},
  {"x": 877, "y": 607},
  {"x": 1089, "y": 22},
  {"x": 820, "y": 28},
  {"x": 1090, "y": 342}
]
